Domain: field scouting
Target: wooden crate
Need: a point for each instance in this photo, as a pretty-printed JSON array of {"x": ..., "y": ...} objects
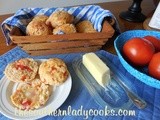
[{"x": 66, "y": 43}]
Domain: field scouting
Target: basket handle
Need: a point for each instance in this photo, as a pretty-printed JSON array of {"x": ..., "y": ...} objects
[
  {"x": 7, "y": 27},
  {"x": 13, "y": 31},
  {"x": 110, "y": 20}
]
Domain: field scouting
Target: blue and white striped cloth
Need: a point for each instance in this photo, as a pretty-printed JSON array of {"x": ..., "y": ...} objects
[{"x": 22, "y": 17}]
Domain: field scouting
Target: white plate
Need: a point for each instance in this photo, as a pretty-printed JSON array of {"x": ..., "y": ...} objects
[{"x": 57, "y": 98}]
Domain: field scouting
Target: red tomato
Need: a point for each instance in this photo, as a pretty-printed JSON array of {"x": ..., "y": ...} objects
[
  {"x": 155, "y": 41},
  {"x": 26, "y": 103},
  {"x": 138, "y": 51},
  {"x": 154, "y": 66},
  {"x": 22, "y": 67}
]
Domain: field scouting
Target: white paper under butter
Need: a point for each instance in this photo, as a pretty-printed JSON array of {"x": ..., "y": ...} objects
[{"x": 97, "y": 68}]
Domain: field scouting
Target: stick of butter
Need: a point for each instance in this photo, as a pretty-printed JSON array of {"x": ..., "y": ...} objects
[{"x": 97, "y": 68}]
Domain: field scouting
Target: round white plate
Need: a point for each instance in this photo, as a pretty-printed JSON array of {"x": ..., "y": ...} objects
[{"x": 57, "y": 98}]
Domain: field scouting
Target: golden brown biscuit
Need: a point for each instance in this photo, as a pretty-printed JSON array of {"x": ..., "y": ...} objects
[
  {"x": 23, "y": 70},
  {"x": 36, "y": 27},
  {"x": 64, "y": 29},
  {"x": 30, "y": 96},
  {"x": 59, "y": 18},
  {"x": 85, "y": 27},
  {"x": 53, "y": 71},
  {"x": 42, "y": 18}
]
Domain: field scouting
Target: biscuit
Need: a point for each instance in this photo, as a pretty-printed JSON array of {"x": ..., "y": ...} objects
[
  {"x": 64, "y": 29},
  {"x": 42, "y": 18},
  {"x": 85, "y": 27},
  {"x": 38, "y": 27},
  {"x": 53, "y": 71},
  {"x": 30, "y": 96},
  {"x": 59, "y": 18},
  {"x": 23, "y": 70}
]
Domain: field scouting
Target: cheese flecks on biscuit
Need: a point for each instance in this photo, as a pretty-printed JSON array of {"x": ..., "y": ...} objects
[
  {"x": 85, "y": 27},
  {"x": 22, "y": 70},
  {"x": 30, "y": 96},
  {"x": 38, "y": 27},
  {"x": 65, "y": 28},
  {"x": 42, "y": 18},
  {"x": 53, "y": 71},
  {"x": 59, "y": 18}
]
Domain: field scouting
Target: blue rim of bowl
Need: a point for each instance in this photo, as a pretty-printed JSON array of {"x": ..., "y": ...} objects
[{"x": 118, "y": 44}]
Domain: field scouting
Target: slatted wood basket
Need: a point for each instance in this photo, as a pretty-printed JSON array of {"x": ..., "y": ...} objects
[{"x": 66, "y": 43}]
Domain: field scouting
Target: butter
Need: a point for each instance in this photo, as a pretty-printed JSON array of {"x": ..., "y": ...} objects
[{"x": 97, "y": 68}]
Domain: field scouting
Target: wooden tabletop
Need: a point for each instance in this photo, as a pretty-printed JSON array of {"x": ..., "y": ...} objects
[{"x": 115, "y": 7}]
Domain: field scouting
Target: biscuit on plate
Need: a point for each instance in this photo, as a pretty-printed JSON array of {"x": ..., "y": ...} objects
[
  {"x": 59, "y": 18},
  {"x": 29, "y": 96},
  {"x": 36, "y": 27},
  {"x": 53, "y": 71},
  {"x": 22, "y": 70},
  {"x": 42, "y": 18},
  {"x": 85, "y": 27},
  {"x": 64, "y": 29}
]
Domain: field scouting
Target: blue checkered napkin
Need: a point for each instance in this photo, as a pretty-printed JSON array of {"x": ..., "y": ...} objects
[{"x": 23, "y": 16}]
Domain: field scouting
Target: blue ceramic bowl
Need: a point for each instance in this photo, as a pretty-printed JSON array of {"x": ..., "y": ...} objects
[{"x": 140, "y": 74}]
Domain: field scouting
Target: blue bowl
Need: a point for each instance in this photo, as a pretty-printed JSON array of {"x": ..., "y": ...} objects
[{"x": 140, "y": 74}]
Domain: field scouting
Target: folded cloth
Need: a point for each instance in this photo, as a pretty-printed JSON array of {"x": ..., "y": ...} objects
[{"x": 22, "y": 17}]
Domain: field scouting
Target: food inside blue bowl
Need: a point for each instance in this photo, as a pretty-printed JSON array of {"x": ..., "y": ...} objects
[
  {"x": 138, "y": 51},
  {"x": 126, "y": 55}
]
